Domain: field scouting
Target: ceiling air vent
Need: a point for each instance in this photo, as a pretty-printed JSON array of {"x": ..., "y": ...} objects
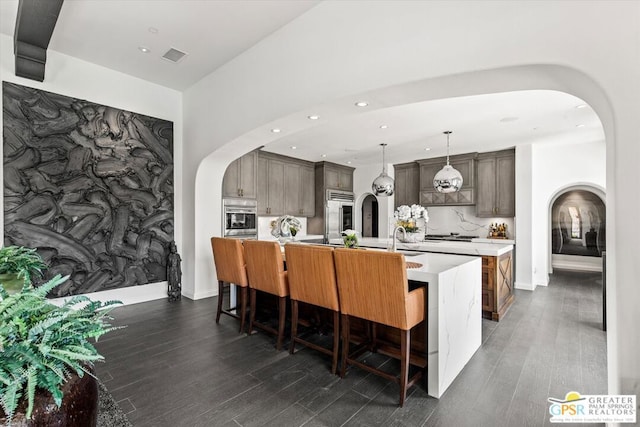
[{"x": 174, "y": 55}]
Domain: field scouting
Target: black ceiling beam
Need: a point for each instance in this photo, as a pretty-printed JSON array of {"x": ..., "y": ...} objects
[{"x": 34, "y": 27}]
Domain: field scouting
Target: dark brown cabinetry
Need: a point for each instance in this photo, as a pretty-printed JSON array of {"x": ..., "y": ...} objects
[
  {"x": 407, "y": 184},
  {"x": 240, "y": 177},
  {"x": 496, "y": 184},
  {"x": 497, "y": 285},
  {"x": 465, "y": 164}
]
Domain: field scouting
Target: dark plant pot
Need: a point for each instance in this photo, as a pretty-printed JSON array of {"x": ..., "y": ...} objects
[
  {"x": 79, "y": 406},
  {"x": 11, "y": 283}
]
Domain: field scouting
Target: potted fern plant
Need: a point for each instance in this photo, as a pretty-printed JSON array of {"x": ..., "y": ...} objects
[
  {"x": 17, "y": 265},
  {"x": 46, "y": 357}
]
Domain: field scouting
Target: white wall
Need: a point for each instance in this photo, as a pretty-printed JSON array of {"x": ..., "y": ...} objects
[
  {"x": 403, "y": 51},
  {"x": 68, "y": 76},
  {"x": 557, "y": 166}
]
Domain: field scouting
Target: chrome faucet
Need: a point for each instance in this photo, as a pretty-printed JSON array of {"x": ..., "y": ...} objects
[{"x": 395, "y": 231}]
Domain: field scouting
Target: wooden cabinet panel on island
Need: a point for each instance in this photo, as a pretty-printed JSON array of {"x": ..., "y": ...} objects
[
  {"x": 497, "y": 285},
  {"x": 240, "y": 177},
  {"x": 270, "y": 186},
  {"x": 465, "y": 164},
  {"x": 496, "y": 184},
  {"x": 407, "y": 184}
]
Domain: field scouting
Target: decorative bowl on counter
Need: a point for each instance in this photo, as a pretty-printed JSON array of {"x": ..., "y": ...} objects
[{"x": 411, "y": 237}]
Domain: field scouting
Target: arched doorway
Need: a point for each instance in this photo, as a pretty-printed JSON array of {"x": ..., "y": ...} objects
[
  {"x": 578, "y": 229},
  {"x": 369, "y": 216}
]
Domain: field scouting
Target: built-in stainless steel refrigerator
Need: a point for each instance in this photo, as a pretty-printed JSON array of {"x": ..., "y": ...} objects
[{"x": 339, "y": 214}]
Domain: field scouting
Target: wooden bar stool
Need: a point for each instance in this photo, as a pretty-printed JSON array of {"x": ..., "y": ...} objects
[
  {"x": 312, "y": 280},
  {"x": 228, "y": 257},
  {"x": 372, "y": 285},
  {"x": 265, "y": 269}
]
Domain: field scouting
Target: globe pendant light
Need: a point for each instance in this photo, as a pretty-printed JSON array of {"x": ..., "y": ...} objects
[
  {"x": 383, "y": 184},
  {"x": 448, "y": 179}
]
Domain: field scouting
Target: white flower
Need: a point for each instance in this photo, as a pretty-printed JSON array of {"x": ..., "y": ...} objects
[
  {"x": 349, "y": 232},
  {"x": 405, "y": 213}
]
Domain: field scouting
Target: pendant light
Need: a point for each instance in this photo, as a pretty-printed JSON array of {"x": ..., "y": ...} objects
[
  {"x": 448, "y": 179},
  {"x": 383, "y": 184}
]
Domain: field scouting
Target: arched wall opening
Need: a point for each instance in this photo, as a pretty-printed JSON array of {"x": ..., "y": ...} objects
[
  {"x": 590, "y": 242},
  {"x": 369, "y": 214},
  {"x": 208, "y": 179}
]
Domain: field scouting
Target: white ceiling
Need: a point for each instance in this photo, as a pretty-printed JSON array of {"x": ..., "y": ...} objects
[{"x": 109, "y": 32}]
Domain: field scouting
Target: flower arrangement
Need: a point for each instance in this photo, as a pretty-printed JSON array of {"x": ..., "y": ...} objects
[
  {"x": 407, "y": 216},
  {"x": 350, "y": 239}
]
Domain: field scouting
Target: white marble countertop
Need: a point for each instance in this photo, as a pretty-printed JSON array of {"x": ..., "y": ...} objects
[
  {"x": 433, "y": 264},
  {"x": 442, "y": 246}
]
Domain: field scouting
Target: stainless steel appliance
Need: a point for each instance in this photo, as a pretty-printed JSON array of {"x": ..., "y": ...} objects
[
  {"x": 338, "y": 213},
  {"x": 240, "y": 218}
]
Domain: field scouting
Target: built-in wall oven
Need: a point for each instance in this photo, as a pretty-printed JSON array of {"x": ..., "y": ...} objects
[{"x": 240, "y": 218}]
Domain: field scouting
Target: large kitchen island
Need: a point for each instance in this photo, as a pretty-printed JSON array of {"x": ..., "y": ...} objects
[{"x": 497, "y": 266}]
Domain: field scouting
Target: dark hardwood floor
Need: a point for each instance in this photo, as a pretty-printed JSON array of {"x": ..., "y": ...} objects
[{"x": 173, "y": 366}]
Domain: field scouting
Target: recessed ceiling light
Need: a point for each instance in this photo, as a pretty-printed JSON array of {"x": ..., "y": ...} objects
[
  {"x": 427, "y": 149},
  {"x": 383, "y": 126},
  {"x": 153, "y": 30},
  {"x": 293, "y": 147},
  {"x": 275, "y": 130},
  {"x": 323, "y": 156},
  {"x": 580, "y": 125},
  {"x": 361, "y": 104},
  {"x": 349, "y": 162},
  {"x": 581, "y": 106},
  {"x": 144, "y": 49},
  {"x": 314, "y": 117}
]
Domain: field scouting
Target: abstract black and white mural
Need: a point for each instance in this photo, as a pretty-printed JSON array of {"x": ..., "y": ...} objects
[{"x": 89, "y": 186}]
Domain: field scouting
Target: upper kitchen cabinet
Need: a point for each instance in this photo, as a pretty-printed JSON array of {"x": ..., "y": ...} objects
[
  {"x": 299, "y": 189},
  {"x": 407, "y": 184},
  {"x": 337, "y": 177},
  {"x": 496, "y": 184},
  {"x": 270, "y": 186},
  {"x": 465, "y": 164},
  {"x": 285, "y": 186},
  {"x": 240, "y": 177}
]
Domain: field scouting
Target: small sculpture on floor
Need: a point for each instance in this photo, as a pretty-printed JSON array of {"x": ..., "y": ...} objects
[{"x": 174, "y": 273}]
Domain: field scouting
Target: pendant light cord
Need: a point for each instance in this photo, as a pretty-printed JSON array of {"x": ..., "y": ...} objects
[
  {"x": 384, "y": 168},
  {"x": 448, "y": 132}
]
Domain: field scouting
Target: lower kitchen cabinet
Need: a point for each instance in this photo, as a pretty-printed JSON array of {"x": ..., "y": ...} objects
[{"x": 497, "y": 285}]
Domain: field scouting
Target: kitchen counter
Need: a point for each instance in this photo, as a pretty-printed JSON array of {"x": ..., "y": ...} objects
[
  {"x": 454, "y": 313},
  {"x": 441, "y": 246}
]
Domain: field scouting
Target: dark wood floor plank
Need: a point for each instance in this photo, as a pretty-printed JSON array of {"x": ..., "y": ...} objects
[{"x": 174, "y": 366}]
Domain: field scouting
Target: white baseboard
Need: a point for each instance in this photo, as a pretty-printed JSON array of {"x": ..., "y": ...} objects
[
  {"x": 524, "y": 286},
  {"x": 129, "y": 295}
]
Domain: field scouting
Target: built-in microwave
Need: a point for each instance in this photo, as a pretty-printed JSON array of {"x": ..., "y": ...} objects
[{"x": 240, "y": 218}]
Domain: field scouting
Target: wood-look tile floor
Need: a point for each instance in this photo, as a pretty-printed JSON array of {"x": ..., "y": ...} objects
[{"x": 173, "y": 366}]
